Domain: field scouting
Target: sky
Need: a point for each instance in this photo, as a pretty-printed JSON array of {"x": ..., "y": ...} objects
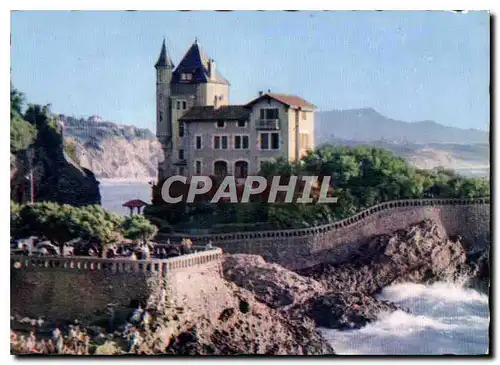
[{"x": 409, "y": 66}]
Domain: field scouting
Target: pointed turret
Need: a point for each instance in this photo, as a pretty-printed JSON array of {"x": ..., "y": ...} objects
[{"x": 164, "y": 60}]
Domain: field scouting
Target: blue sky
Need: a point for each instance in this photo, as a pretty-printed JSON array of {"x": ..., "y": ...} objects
[{"x": 407, "y": 65}]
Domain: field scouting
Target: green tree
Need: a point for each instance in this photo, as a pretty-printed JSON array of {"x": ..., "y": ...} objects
[
  {"x": 22, "y": 133},
  {"x": 138, "y": 227}
]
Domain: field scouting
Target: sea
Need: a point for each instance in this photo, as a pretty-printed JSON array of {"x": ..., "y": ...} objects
[
  {"x": 444, "y": 318},
  {"x": 114, "y": 194}
]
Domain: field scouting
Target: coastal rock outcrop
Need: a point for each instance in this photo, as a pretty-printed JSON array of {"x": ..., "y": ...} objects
[
  {"x": 422, "y": 253},
  {"x": 56, "y": 176},
  {"x": 114, "y": 151},
  {"x": 271, "y": 283}
]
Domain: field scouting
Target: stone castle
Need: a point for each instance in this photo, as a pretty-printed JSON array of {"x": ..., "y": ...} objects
[{"x": 202, "y": 134}]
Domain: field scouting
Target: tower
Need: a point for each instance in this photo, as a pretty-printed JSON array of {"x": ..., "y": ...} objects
[
  {"x": 164, "y": 68},
  {"x": 195, "y": 82}
]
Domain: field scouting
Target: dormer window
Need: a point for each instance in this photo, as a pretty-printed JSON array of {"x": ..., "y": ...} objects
[{"x": 186, "y": 77}]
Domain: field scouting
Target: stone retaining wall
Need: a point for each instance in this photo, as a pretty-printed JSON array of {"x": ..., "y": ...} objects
[
  {"x": 61, "y": 288},
  {"x": 337, "y": 241}
]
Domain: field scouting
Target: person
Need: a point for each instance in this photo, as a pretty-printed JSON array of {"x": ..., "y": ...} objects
[
  {"x": 133, "y": 256},
  {"x": 145, "y": 252},
  {"x": 186, "y": 246},
  {"x": 111, "y": 318},
  {"x": 137, "y": 315},
  {"x": 110, "y": 253},
  {"x": 209, "y": 246},
  {"x": 146, "y": 318},
  {"x": 133, "y": 342}
]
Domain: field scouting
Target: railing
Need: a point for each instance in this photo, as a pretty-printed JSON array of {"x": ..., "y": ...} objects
[
  {"x": 162, "y": 266},
  {"x": 268, "y": 124},
  {"x": 329, "y": 226}
]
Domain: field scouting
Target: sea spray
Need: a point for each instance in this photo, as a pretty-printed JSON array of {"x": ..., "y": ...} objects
[{"x": 444, "y": 318}]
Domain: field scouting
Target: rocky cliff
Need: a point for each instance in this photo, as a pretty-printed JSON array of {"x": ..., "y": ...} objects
[
  {"x": 56, "y": 177},
  {"x": 113, "y": 151}
]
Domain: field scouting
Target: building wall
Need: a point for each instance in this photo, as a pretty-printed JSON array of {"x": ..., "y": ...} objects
[
  {"x": 254, "y": 155},
  {"x": 209, "y": 90},
  {"x": 208, "y": 155},
  {"x": 284, "y": 132}
]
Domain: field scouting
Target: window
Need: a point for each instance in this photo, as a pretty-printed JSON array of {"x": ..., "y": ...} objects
[
  {"x": 178, "y": 105},
  {"x": 221, "y": 124},
  {"x": 241, "y": 169},
  {"x": 220, "y": 142},
  {"x": 161, "y": 116},
  {"x": 198, "y": 142},
  {"x": 269, "y": 141},
  {"x": 186, "y": 77},
  {"x": 269, "y": 113},
  {"x": 304, "y": 116},
  {"x": 197, "y": 167},
  {"x": 181, "y": 129},
  {"x": 304, "y": 140},
  {"x": 275, "y": 141},
  {"x": 242, "y": 123},
  {"x": 220, "y": 168},
  {"x": 181, "y": 154},
  {"x": 184, "y": 105},
  {"x": 241, "y": 142}
]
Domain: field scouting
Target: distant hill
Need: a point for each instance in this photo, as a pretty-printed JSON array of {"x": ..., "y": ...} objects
[
  {"x": 369, "y": 125},
  {"x": 113, "y": 151}
]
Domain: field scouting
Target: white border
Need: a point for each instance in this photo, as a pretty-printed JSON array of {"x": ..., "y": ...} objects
[{"x": 222, "y": 5}]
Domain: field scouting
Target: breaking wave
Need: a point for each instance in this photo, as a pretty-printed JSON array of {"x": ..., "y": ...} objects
[{"x": 444, "y": 318}]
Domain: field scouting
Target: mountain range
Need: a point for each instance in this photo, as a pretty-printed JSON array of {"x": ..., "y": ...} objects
[
  {"x": 125, "y": 152},
  {"x": 369, "y": 125}
]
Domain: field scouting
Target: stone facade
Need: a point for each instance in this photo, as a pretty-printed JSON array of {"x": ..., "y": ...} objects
[
  {"x": 82, "y": 287},
  {"x": 336, "y": 242},
  {"x": 193, "y": 97}
]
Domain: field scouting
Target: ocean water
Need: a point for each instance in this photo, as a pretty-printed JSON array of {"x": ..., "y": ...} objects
[
  {"x": 113, "y": 195},
  {"x": 445, "y": 318}
]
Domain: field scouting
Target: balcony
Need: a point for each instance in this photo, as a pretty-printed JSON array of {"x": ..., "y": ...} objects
[{"x": 268, "y": 124}]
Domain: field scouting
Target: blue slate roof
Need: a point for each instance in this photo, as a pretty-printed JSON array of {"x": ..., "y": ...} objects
[
  {"x": 164, "y": 59},
  {"x": 195, "y": 62}
]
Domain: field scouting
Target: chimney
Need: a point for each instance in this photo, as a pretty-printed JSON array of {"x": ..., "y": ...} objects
[
  {"x": 211, "y": 69},
  {"x": 269, "y": 91},
  {"x": 261, "y": 93}
]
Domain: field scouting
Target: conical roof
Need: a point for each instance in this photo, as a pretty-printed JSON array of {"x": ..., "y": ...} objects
[
  {"x": 164, "y": 60},
  {"x": 195, "y": 62}
]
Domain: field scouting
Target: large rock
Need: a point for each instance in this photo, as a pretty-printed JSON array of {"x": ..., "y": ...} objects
[
  {"x": 343, "y": 310},
  {"x": 270, "y": 283},
  {"x": 423, "y": 253},
  {"x": 57, "y": 177}
]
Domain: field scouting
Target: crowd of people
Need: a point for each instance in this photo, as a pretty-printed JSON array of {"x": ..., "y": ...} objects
[
  {"x": 76, "y": 340},
  {"x": 138, "y": 251}
]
